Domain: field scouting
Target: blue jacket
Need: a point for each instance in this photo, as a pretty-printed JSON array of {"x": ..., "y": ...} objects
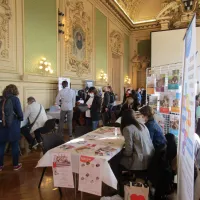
[
  {"x": 12, "y": 133},
  {"x": 156, "y": 133},
  {"x": 139, "y": 96}
]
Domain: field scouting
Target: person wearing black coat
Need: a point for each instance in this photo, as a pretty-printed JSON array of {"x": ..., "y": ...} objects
[
  {"x": 106, "y": 106},
  {"x": 11, "y": 134},
  {"x": 95, "y": 107}
]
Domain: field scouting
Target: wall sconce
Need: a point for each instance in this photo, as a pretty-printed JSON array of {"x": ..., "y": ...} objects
[
  {"x": 127, "y": 80},
  {"x": 103, "y": 76},
  {"x": 45, "y": 66},
  {"x": 60, "y": 24}
]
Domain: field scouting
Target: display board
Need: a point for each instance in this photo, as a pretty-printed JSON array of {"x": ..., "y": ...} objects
[{"x": 167, "y": 47}]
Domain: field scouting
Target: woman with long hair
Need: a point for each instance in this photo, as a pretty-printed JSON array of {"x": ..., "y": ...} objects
[
  {"x": 127, "y": 105},
  {"x": 138, "y": 145},
  {"x": 11, "y": 134}
]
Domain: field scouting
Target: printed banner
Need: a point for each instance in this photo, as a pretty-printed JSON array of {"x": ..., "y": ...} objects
[
  {"x": 62, "y": 170},
  {"x": 187, "y": 120},
  {"x": 90, "y": 175},
  {"x": 160, "y": 83}
]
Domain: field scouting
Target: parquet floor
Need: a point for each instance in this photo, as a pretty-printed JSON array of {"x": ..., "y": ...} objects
[{"x": 22, "y": 184}]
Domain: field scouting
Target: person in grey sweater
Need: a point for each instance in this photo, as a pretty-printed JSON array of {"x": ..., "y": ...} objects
[{"x": 139, "y": 148}]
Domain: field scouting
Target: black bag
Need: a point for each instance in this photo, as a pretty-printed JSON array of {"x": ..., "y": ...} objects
[
  {"x": 27, "y": 128},
  {"x": 83, "y": 107},
  {"x": 6, "y": 111}
]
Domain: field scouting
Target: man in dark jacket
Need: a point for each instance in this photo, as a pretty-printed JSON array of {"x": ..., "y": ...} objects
[{"x": 105, "y": 106}]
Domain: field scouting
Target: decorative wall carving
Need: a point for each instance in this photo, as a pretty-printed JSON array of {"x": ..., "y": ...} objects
[
  {"x": 78, "y": 39},
  {"x": 173, "y": 15},
  {"x": 116, "y": 42}
]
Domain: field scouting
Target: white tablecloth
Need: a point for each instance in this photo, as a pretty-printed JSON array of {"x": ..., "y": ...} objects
[{"x": 103, "y": 137}]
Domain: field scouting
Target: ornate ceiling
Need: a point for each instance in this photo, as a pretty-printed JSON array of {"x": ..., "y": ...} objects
[{"x": 140, "y": 10}]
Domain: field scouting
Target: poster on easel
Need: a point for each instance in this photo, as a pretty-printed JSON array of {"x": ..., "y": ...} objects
[
  {"x": 62, "y": 170},
  {"x": 175, "y": 102},
  {"x": 164, "y": 103},
  {"x": 60, "y": 80},
  {"x": 173, "y": 80},
  {"x": 90, "y": 175},
  {"x": 160, "y": 83},
  {"x": 174, "y": 124},
  {"x": 187, "y": 117}
]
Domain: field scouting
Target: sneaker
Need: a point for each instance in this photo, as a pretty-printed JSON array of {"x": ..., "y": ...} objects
[
  {"x": 33, "y": 145},
  {"x": 16, "y": 168},
  {"x": 1, "y": 168}
]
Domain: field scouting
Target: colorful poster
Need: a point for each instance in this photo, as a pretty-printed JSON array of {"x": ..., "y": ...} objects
[
  {"x": 164, "y": 103},
  {"x": 153, "y": 102},
  {"x": 187, "y": 120},
  {"x": 90, "y": 175},
  {"x": 62, "y": 170},
  {"x": 174, "y": 124},
  {"x": 150, "y": 82},
  {"x": 173, "y": 80},
  {"x": 175, "y": 102},
  {"x": 160, "y": 83}
]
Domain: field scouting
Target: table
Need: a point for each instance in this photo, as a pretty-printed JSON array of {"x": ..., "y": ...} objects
[
  {"x": 102, "y": 137},
  {"x": 55, "y": 115}
]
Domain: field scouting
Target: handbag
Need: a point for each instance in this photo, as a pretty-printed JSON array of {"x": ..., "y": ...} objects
[
  {"x": 83, "y": 107},
  {"x": 136, "y": 191},
  {"x": 27, "y": 128}
]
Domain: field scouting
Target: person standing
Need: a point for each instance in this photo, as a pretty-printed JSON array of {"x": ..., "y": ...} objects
[
  {"x": 139, "y": 96},
  {"x": 105, "y": 106},
  {"x": 66, "y": 98},
  {"x": 10, "y": 133},
  {"x": 94, "y": 105}
]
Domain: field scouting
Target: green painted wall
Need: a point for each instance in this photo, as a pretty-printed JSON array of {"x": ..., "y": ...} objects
[
  {"x": 144, "y": 48},
  {"x": 126, "y": 56},
  {"x": 101, "y": 43},
  {"x": 40, "y": 31}
]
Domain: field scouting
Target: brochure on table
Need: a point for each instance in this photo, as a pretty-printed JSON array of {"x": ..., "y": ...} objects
[
  {"x": 60, "y": 80},
  {"x": 90, "y": 175},
  {"x": 62, "y": 170}
]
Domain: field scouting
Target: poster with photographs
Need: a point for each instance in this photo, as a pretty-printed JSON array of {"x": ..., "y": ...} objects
[
  {"x": 153, "y": 102},
  {"x": 174, "y": 124},
  {"x": 175, "y": 102},
  {"x": 62, "y": 170},
  {"x": 150, "y": 84},
  {"x": 160, "y": 83},
  {"x": 173, "y": 80},
  {"x": 90, "y": 175},
  {"x": 164, "y": 103}
]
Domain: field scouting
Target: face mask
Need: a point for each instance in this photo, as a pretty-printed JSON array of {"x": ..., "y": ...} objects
[{"x": 91, "y": 95}]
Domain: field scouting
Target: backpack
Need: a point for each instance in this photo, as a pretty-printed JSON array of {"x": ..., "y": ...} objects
[
  {"x": 6, "y": 111},
  {"x": 112, "y": 98}
]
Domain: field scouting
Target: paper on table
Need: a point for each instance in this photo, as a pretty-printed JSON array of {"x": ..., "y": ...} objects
[
  {"x": 62, "y": 170},
  {"x": 90, "y": 175}
]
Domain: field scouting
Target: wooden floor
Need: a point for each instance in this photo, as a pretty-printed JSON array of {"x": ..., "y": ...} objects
[{"x": 22, "y": 184}]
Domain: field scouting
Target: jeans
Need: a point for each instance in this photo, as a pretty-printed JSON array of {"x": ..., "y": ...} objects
[
  {"x": 69, "y": 114},
  {"x": 15, "y": 152},
  {"x": 94, "y": 125},
  {"x": 30, "y": 138}
]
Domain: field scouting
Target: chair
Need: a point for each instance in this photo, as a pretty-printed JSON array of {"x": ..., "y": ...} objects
[
  {"x": 48, "y": 126},
  {"x": 50, "y": 141}
]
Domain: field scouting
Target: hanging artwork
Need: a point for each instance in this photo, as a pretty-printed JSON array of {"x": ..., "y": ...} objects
[
  {"x": 173, "y": 80},
  {"x": 160, "y": 83},
  {"x": 175, "y": 102}
]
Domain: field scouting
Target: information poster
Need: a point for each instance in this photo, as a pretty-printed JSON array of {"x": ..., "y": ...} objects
[
  {"x": 90, "y": 175},
  {"x": 164, "y": 103},
  {"x": 62, "y": 170},
  {"x": 160, "y": 83},
  {"x": 174, "y": 124},
  {"x": 173, "y": 80},
  {"x": 153, "y": 102},
  {"x": 175, "y": 102},
  {"x": 60, "y": 80},
  {"x": 187, "y": 121}
]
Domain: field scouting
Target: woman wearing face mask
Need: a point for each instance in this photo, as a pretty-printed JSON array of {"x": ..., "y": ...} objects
[
  {"x": 155, "y": 130},
  {"x": 94, "y": 105}
]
